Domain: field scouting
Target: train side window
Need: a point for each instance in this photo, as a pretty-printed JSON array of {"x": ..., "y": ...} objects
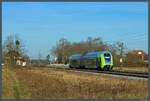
[
  {"x": 98, "y": 61},
  {"x": 74, "y": 60}
]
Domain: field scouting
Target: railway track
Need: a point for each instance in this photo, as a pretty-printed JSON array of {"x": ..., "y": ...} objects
[
  {"x": 135, "y": 74},
  {"x": 113, "y": 72}
]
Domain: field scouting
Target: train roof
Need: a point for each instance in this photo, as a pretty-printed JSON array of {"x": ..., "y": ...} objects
[
  {"x": 95, "y": 53},
  {"x": 76, "y": 56},
  {"x": 92, "y": 54}
]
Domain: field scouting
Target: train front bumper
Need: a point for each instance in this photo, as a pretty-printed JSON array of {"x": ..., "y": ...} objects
[{"x": 108, "y": 67}]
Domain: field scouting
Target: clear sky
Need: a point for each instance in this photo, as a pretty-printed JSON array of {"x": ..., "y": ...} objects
[{"x": 41, "y": 24}]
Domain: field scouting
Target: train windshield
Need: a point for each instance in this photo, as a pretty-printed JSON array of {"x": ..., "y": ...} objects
[{"x": 107, "y": 58}]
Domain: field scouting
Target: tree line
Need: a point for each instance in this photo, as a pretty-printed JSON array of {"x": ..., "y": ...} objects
[
  {"x": 14, "y": 49},
  {"x": 64, "y": 49}
]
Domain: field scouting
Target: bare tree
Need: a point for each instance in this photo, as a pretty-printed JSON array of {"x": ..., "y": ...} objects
[
  {"x": 13, "y": 49},
  {"x": 64, "y": 48},
  {"x": 61, "y": 50},
  {"x": 121, "y": 48},
  {"x": 39, "y": 58}
]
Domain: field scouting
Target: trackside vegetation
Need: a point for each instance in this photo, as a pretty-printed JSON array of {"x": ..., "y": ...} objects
[{"x": 43, "y": 83}]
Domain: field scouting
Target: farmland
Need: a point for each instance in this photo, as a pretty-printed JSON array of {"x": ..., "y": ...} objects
[{"x": 43, "y": 83}]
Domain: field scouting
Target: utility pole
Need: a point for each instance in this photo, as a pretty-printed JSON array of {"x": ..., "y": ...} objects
[
  {"x": 63, "y": 51},
  {"x": 62, "y": 43},
  {"x": 121, "y": 49},
  {"x": 39, "y": 60},
  {"x": 17, "y": 55},
  {"x": 121, "y": 54}
]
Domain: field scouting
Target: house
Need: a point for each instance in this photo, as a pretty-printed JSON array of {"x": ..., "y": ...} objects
[{"x": 144, "y": 55}]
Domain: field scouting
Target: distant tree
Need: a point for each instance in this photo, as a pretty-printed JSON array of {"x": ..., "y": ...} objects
[
  {"x": 121, "y": 50},
  {"x": 64, "y": 48},
  {"x": 112, "y": 48},
  {"x": 95, "y": 45},
  {"x": 13, "y": 49},
  {"x": 61, "y": 50},
  {"x": 39, "y": 59},
  {"x": 99, "y": 45},
  {"x": 79, "y": 48},
  {"x": 89, "y": 44}
]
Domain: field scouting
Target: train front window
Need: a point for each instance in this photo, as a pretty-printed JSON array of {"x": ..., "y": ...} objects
[{"x": 107, "y": 57}]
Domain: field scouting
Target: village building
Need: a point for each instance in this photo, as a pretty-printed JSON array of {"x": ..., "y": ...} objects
[
  {"x": 141, "y": 53},
  {"x": 13, "y": 57}
]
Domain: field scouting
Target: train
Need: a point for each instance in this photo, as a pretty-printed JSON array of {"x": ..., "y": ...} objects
[{"x": 98, "y": 60}]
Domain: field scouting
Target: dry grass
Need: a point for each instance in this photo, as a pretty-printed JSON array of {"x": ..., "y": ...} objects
[
  {"x": 44, "y": 83},
  {"x": 58, "y": 66},
  {"x": 7, "y": 85},
  {"x": 142, "y": 69},
  {"x": 11, "y": 87}
]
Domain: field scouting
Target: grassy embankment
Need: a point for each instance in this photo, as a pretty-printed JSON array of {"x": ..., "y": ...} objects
[
  {"x": 11, "y": 87},
  {"x": 142, "y": 69},
  {"x": 43, "y": 83},
  {"x": 139, "y": 69}
]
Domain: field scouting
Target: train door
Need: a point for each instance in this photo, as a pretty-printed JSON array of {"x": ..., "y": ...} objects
[
  {"x": 82, "y": 64},
  {"x": 75, "y": 63}
]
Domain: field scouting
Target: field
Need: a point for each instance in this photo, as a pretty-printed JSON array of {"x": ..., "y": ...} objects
[{"x": 43, "y": 83}]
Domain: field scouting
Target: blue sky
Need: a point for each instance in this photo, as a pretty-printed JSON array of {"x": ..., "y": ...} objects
[{"x": 41, "y": 24}]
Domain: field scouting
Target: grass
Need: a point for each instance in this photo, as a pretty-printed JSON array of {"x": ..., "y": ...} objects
[
  {"x": 7, "y": 86},
  {"x": 43, "y": 83},
  {"x": 58, "y": 66},
  {"x": 142, "y": 69},
  {"x": 12, "y": 88}
]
